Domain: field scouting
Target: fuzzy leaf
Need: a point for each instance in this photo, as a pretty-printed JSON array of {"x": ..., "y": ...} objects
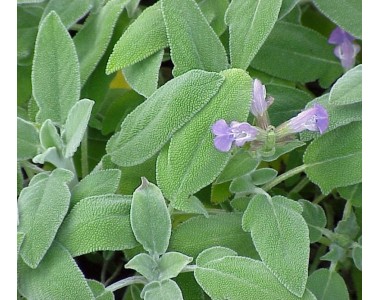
[
  {"x": 191, "y": 161},
  {"x": 92, "y": 40},
  {"x": 49, "y": 136},
  {"x": 250, "y": 22},
  {"x": 193, "y": 43},
  {"x": 347, "y": 14},
  {"x": 99, "y": 290},
  {"x": 42, "y": 208},
  {"x": 97, "y": 183},
  {"x": 327, "y": 285},
  {"x": 20, "y": 239},
  {"x": 163, "y": 290},
  {"x": 76, "y": 125},
  {"x": 150, "y": 218},
  {"x": 98, "y": 223},
  {"x": 145, "y": 265},
  {"x": 282, "y": 149},
  {"x": 315, "y": 218},
  {"x": 352, "y": 193},
  {"x": 329, "y": 157},
  {"x": 286, "y": 7},
  {"x": 189, "y": 287},
  {"x": 214, "y": 12},
  {"x": 55, "y": 73},
  {"x": 27, "y": 140},
  {"x": 348, "y": 88},
  {"x": 143, "y": 76},
  {"x": 297, "y": 53},
  {"x": 151, "y": 124},
  {"x": 357, "y": 254},
  {"x": 171, "y": 264},
  {"x": 263, "y": 175},
  {"x": 143, "y": 37},
  {"x": 281, "y": 237},
  {"x": 57, "y": 277},
  {"x": 199, "y": 233}
]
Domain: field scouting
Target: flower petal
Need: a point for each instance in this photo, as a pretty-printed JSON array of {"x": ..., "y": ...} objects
[
  {"x": 220, "y": 127},
  {"x": 338, "y": 36},
  {"x": 223, "y": 142},
  {"x": 258, "y": 105}
]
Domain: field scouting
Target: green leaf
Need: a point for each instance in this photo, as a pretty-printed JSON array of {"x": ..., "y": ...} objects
[
  {"x": 199, "y": 233},
  {"x": 250, "y": 22},
  {"x": 189, "y": 287},
  {"x": 133, "y": 292},
  {"x": 357, "y": 254},
  {"x": 191, "y": 160},
  {"x": 346, "y": 14},
  {"x": 193, "y": 43},
  {"x": 152, "y": 124},
  {"x": 171, "y": 264},
  {"x": 55, "y": 73},
  {"x": 226, "y": 276},
  {"x": 132, "y": 7},
  {"x": 263, "y": 175},
  {"x": 286, "y": 7},
  {"x": 69, "y": 11},
  {"x": 212, "y": 254},
  {"x": 49, "y": 136},
  {"x": 335, "y": 159},
  {"x": 42, "y": 208},
  {"x": 150, "y": 218},
  {"x": 98, "y": 223},
  {"x": 20, "y": 239},
  {"x": 99, "y": 290},
  {"x": 281, "y": 149},
  {"x": 281, "y": 237},
  {"x": 241, "y": 163},
  {"x": 145, "y": 265},
  {"x": 297, "y": 53},
  {"x": 315, "y": 218},
  {"x": 243, "y": 184},
  {"x": 92, "y": 40},
  {"x": 214, "y": 12},
  {"x": 20, "y": 179},
  {"x": 57, "y": 277},
  {"x": 27, "y": 140},
  {"x": 100, "y": 182},
  {"x": 76, "y": 125},
  {"x": 143, "y": 75},
  {"x": 143, "y": 37},
  {"x": 352, "y": 193},
  {"x": 348, "y": 88},
  {"x": 327, "y": 285},
  {"x": 163, "y": 290}
]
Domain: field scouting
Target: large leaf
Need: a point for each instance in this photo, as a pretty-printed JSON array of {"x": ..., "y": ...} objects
[
  {"x": 250, "y": 23},
  {"x": 144, "y": 37},
  {"x": 98, "y": 223},
  {"x": 163, "y": 290},
  {"x": 286, "y": 7},
  {"x": 42, "y": 208},
  {"x": 191, "y": 160},
  {"x": 281, "y": 237},
  {"x": 99, "y": 290},
  {"x": 151, "y": 124},
  {"x": 27, "y": 140},
  {"x": 348, "y": 88},
  {"x": 57, "y": 277},
  {"x": 214, "y": 12},
  {"x": 327, "y": 285},
  {"x": 150, "y": 218},
  {"x": 223, "y": 275},
  {"x": 335, "y": 159},
  {"x": 55, "y": 74},
  {"x": 346, "y": 13},
  {"x": 193, "y": 43},
  {"x": 92, "y": 40},
  {"x": 297, "y": 53},
  {"x": 199, "y": 233}
]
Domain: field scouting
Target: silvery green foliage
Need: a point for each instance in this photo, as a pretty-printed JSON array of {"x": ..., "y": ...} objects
[{"x": 118, "y": 162}]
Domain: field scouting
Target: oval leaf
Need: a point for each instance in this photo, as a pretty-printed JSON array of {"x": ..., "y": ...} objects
[
  {"x": 315, "y": 218},
  {"x": 27, "y": 140},
  {"x": 163, "y": 290},
  {"x": 171, "y": 264}
]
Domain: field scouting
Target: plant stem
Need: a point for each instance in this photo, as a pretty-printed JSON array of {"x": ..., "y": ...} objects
[
  {"x": 321, "y": 250},
  {"x": 319, "y": 198},
  {"x": 347, "y": 210},
  {"x": 283, "y": 177},
  {"x": 125, "y": 282},
  {"x": 299, "y": 186},
  {"x": 114, "y": 274},
  {"x": 189, "y": 268},
  {"x": 84, "y": 154}
]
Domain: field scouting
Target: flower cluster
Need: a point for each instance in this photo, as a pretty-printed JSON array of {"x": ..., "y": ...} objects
[
  {"x": 346, "y": 50},
  {"x": 312, "y": 119}
]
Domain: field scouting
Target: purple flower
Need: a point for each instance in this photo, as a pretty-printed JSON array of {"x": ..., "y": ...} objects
[
  {"x": 313, "y": 119},
  {"x": 259, "y": 103},
  {"x": 345, "y": 49},
  {"x": 237, "y": 132}
]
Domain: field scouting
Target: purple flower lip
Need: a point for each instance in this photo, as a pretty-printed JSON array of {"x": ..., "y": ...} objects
[
  {"x": 259, "y": 103},
  {"x": 338, "y": 36},
  {"x": 237, "y": 132},
  {"x": 313, "y": 119}
]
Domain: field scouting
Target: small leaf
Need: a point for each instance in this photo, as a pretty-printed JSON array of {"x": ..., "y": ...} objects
[
  {"x": 357, "y": 254},
  {"x": 192, "y": 206},
  {"x": 212, "y": 254},
  {"x": 263, "y": 175},
  {"x": 98, "y": 223},
  {"x": 152, "y": 124},
  {"x": 189, "y": 286},
  {"x": 99, "y": 291},
  {"x": 327, "y": 285},
  {"x": 143, "y": 75},
  {"x": 281, "y": 237},
  {"x": 329, "y": 157},
  {"x": 171, "y": 264},
  {"x": 243, "y": 184},
  {"x": 27, "y": 140},
  {"x": 352, "y": 193},
  {"x": 143, "y": 37},
  {"x": 97, "y": 183},
  {"x": 150, "y": 218},
  {"x": 76, "y": 125},
  {"x": 49, "y": 136},
  {"x": 193, "y": 43},
  {"x": 163, "y": 290},
  {"x": 55, "y": 62},
  {"x": 250, "y": 23},
  {"x": 57, "y": 277},
  {"x": 348, "y": 88},
  {"x": 145, "y": 265},
  {"x": 42, "y": 208},
  {"x": 315, "y": 218}
]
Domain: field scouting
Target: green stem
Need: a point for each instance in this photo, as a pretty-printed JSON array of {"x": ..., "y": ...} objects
[
  {"x": 189, "y": 268},
  {"x": 112, "y": 277},
  {"x": 126, "y": 282},
  {"x": 321, "y": 250},
  {"x": 333, "y": 266},
  {"x": 76, "y": 27},
  {"x": 283, "y": 177},
  {"x": 319, "y": 198},
  {"x": 84, "y": 155},
  {"x": 347, "y": 210},
  {"x": 299, "y": 186}
]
